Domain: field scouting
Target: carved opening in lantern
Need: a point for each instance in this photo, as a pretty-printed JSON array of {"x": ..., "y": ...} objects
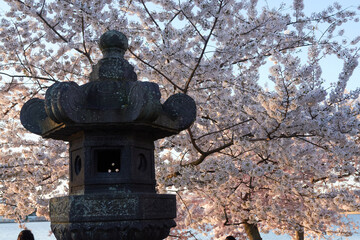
[
  {"x": 77, "y": 165},
  {"x": 142, "y": 162},
  {"x": 108, "y": 160}
]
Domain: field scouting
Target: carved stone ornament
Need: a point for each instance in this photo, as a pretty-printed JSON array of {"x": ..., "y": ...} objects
[
  {"x": 130, "y": 216},
  {"x": 113, "y": 96},
  {"x": 111, "y": 124}
]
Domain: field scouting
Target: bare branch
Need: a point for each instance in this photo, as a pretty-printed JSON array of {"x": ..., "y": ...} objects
[
  {"x": 203, "y": 153},
  {"x": 25, "y": 76},
  {"x": 157, "y": 70},
  {"x": 223, "y": 129},
  {"x": 202, "y": 53}
]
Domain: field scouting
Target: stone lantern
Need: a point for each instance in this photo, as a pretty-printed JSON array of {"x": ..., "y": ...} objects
[{"x": 111, "y": 124}]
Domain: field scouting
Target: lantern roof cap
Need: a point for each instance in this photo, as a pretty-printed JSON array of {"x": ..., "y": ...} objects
[
  {"x": 113, "y": 39},
  {"x": 112, "y": 100}
]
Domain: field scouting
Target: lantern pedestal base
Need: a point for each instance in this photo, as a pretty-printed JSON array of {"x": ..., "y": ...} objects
[{"x": 130, "y": 216}]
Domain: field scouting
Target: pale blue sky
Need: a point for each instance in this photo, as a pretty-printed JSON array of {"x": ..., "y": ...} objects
[{"x": 331, "y": 65}]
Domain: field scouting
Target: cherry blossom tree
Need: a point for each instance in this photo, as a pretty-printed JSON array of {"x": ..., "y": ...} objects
[
  {"x": 31, "y": 168},
  {"x": 283, "y": 158}
]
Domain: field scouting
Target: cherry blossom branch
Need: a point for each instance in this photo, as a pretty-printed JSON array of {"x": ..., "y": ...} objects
[
  {"x": 203, "y": 51},
  {"x": 52, "y": 28},
  {"x": 23, "y": 52},
  {"x": 175, "y": 15},
  {"x": 223, "y": 129},
  {"x": 150, "y": 15},
  {"x": 315, "y": 144},
  {"x": 25, "y": 76},
  {"x": 157, "y": 70},
  {"x": 313, "y": 180},
  {"x": 295, "y": 135},
  {"x": 194, "y": 26},
  {"x": 205, "y": 154},
  {"x": 186, "y": 206},
  {"x": 86, "y": 52},
  {"x": 317, "y": 19}
]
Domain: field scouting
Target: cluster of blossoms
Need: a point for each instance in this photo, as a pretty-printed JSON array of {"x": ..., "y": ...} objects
[
  {"x": 254, "y": 156},
  {"x": 31, "y": 169}
]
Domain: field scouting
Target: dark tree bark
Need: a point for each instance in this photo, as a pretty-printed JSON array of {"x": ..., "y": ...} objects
[
  {"x": 299, "y": 235},
  {"x": 252, "y": 231}
]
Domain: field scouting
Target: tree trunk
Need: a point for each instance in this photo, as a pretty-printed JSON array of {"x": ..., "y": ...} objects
[
  {"x": 252, "y": 231},
  {"x": 299, "y": 235}
]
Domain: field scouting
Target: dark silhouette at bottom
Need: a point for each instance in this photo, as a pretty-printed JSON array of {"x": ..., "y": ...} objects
[
  {"x": 230, "y": 238},
  {"x": 25, "y": 235}
]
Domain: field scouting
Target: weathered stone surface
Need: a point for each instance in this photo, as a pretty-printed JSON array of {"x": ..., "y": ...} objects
[
  {"x": 111, "y": 124},
  {"x": 111, "y": 162},
  {"x": 113, "y": 95},
  {"x": 113, "y": 66},
  {"x": 34, "y": 118},
  {"x": 119, "y": 206},
  {"x": 113, "y": 40},
  {"x": 63, "y": 102},
  {"x": 74, "y": 107},
  {"x": 125, "y": 230},
  {"x": 116, "y": 216},
  {"x": 181, "y": 108}
]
